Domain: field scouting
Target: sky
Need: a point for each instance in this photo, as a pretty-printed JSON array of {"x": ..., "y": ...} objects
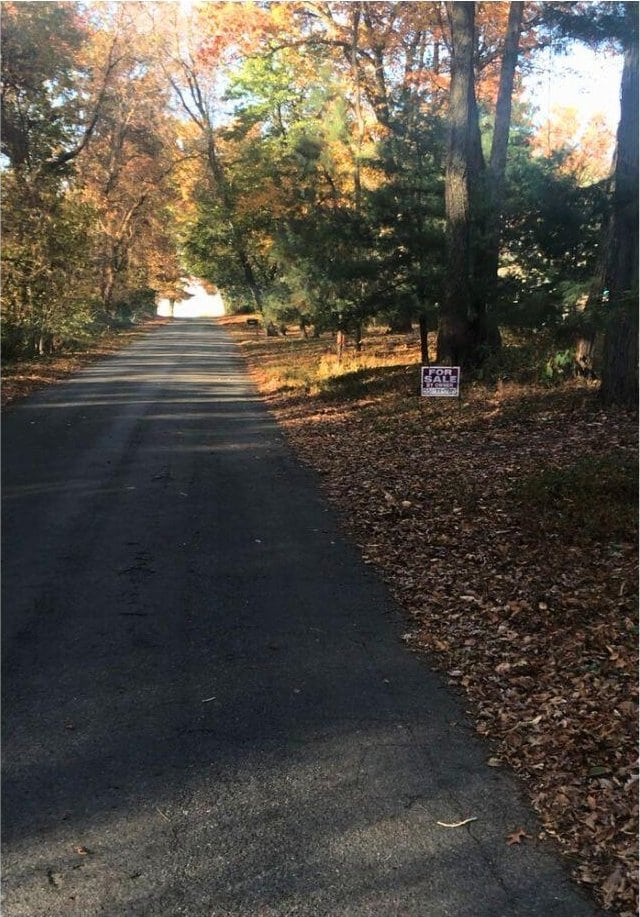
[
  {"x": 200, "y": 304},
  {"x": 586, "y": 79}
]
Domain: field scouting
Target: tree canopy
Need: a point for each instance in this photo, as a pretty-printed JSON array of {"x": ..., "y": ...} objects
[{"x": 338, "y": 163}]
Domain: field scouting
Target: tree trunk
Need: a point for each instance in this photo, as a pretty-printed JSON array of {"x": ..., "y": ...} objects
[
  {"x": 249, "y": 276},
  {"x": 424, "y": 340},
  {"x": 487, "y": 256},
  {"x": 622, "y": 266},
  {"x": 355, "y": 76},
  {"x": 586, "y": 354},
  {"x": 500, "y": 139},
  {"x": 108, "y": 286},
  {"x": 474, "y": 195},
  {"x": 620, "y": 365},
  {"x": 455, "y": 336}
]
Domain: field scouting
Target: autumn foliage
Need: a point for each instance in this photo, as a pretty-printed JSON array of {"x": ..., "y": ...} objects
[{"x": 303, "y": 158}]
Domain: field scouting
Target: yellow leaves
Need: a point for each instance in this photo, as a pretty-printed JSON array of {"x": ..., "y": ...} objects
[{"x": 282, "y": 15}]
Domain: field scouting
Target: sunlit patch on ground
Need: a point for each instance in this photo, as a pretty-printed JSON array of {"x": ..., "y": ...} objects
[{"x": 26, "y": 376}]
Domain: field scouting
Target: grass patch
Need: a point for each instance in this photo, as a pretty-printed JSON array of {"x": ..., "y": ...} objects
[
  {"x": 595, "y": 498},
  {"x": 310, "y": 365}
]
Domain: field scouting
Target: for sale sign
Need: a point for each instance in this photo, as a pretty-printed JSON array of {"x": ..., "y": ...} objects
[{"x": 440, "y": 381}]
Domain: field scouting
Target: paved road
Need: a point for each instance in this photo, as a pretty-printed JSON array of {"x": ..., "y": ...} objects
[{"x": 208, "y": 709}]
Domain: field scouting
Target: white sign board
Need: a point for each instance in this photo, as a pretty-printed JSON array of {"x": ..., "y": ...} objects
[{"x": 440, "y": 381}]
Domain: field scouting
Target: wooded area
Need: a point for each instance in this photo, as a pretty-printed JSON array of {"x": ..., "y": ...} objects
[
  {"x": 333, "y": 164},
  {"x": 373, "y": 177}
]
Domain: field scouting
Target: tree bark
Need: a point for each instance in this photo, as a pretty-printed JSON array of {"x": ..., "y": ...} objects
[
  {"x": 379, "y": 96},
  {"x": 500, "y": 139},
  {"x": 474, "y": 195},
  {"x": 424, "y": 340},
  {"x": 620, "y": 363},
  {"x": 455, "y": 336},
  {"x": 355, "y": 76},
  {"x": 487, "y": 258}
]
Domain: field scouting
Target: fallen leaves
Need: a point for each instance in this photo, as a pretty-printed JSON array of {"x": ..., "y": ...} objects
[
  {"x": 517, "y": 837},
  {"x": 508, "y": 534}
]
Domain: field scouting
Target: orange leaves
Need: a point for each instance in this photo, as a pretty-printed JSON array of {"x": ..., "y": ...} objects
[
  {"x": 228, "y": 30},
  {"x": 588, "y": 148}
]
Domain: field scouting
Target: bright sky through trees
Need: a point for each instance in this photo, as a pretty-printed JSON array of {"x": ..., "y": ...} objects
[
  {"x": 304, "y": 159},
  {"x": 585, "y": 79}
]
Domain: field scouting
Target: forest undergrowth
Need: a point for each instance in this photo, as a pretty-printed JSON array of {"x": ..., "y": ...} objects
[{"x": 506, "y": 527}]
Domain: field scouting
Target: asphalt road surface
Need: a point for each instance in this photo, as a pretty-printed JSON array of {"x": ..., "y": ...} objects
[{"x": 208, "y": 709}]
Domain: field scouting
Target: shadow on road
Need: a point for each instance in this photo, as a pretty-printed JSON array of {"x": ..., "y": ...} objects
[{"x": 208, "y": 709}]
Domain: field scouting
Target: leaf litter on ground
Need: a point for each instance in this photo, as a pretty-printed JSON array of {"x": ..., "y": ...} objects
[{"x": 506, "y": 526}]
